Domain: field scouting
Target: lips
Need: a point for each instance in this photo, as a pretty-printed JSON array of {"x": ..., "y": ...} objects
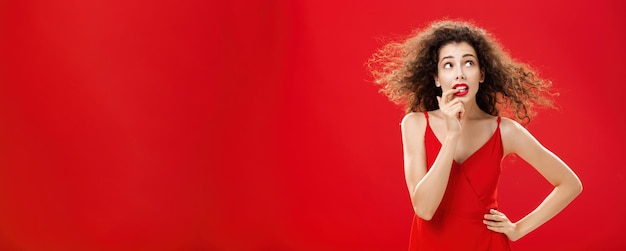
[{"x": 463, "y": 89}]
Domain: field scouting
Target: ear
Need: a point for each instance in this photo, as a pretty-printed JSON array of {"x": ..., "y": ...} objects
[
  {"x": 482, "y": 75},
  {"x": 437, "y": 81}
]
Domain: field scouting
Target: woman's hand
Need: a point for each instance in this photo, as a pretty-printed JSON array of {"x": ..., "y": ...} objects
[
  {"x": 498, "y": 222},
  {"x": 452, "y": 109}
]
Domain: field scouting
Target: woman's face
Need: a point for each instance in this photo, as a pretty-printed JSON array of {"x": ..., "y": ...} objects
[{"x": 458, "y": 69}]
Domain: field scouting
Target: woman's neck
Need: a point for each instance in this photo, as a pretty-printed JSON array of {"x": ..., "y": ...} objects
[{"x": 472, "y": 111}]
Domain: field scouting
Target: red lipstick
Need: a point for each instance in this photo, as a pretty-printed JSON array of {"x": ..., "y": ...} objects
[{"x": 463, "y": 89}]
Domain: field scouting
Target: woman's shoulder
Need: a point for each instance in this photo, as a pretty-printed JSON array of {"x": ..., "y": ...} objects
[
  {"x": 421, "y": 117},
  {"x": 413, "y": 126},
  {"x": 515, "y": 137},
  {"x": 414, "y": 121},
  {"x": 511, "y": 128},
  {"x": 507, "y": 123},
  {"x": 412, "y": 117}
]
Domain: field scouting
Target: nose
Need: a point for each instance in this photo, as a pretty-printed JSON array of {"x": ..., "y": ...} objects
[{"x": 460, "y": 74}]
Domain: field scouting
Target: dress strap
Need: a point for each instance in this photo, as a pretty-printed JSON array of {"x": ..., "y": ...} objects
[
  {"x": 426, "y": 115},
  {"x": 498, "y": 121}
]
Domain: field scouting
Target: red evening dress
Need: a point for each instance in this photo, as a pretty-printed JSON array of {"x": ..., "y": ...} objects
[{"x": 471, "y": 192}]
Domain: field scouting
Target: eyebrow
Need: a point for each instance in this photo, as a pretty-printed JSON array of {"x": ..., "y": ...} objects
[{"x": 465, "y": 55}]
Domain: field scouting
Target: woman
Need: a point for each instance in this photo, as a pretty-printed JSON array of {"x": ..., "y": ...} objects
[{"x": 455, "y": 81}]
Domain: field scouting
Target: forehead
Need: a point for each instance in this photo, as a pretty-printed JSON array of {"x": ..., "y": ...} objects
[{"x": 456, "y": 50}]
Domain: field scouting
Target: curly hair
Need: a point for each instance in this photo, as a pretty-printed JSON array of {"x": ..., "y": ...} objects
[{"x": 406, "y": 69}]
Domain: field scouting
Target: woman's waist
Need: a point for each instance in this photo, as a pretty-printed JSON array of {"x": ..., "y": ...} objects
[{"x": 466, "y": 213}]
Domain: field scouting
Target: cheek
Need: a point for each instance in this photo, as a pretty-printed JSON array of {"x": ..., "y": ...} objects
[
  {"x": 475, "y": 71},
  {"x": 444, "y": 77}
]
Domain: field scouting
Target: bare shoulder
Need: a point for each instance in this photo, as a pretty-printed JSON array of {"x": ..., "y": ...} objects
[
  {"x": 413, "y": 127},
  {"x": 412, "y": 122},
  {"x": 515, "y": 136},
  {"x": 510, "y": 127}
]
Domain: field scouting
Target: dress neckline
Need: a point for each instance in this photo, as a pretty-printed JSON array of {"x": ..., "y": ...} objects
[{"x": 493, "y": 135}]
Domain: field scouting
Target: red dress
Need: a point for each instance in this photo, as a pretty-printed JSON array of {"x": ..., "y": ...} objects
[{"x": 471, "y": 192}]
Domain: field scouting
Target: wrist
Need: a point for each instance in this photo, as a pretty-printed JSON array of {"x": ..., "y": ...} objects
[
  {"x": 516, "y": 233},
  {"x": 452, "y": 136}
]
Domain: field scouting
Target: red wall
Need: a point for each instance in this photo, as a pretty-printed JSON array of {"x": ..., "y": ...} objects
[{"x": 241, "y": 125}]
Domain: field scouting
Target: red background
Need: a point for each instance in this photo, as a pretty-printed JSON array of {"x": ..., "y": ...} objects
[{"x": 251, "y": 125}]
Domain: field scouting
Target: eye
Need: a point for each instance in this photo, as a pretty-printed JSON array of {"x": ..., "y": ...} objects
[
  {"x": 447, "y": 65},
  {"x": 469, "y": 63}
]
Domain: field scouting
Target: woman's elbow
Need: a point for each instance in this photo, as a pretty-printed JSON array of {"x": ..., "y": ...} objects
[
  {"x": 578, "y": 186},
  {"x": 573, "y": 185},
  {"x": 426, "y": 215}
]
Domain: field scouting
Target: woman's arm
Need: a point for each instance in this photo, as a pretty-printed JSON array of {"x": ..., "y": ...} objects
[
  {"x": 516, "y": 139},
  {"x": 427, "y": 187}
]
